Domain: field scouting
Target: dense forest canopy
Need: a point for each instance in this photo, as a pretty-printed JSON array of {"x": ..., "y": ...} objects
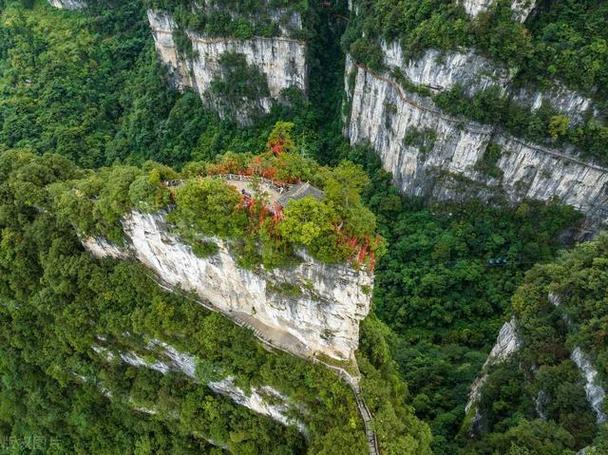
[
  {"x": 206, "y": 206},
  {"x": 559, "y": 307},
  {"x": 90, "y": 129}
]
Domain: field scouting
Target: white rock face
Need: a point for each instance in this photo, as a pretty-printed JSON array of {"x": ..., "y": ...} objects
[
  {"x": 163, "y": 26},
  {"x": 521, "y": 8},
  {"x": 280, "y": 409},
  {"x": 384, "y": 115},
  {"x": 282, "y": 60},
  {"x": 507, "y": 343},
  {"x": 441, "y": 71},
  {"x": 68, "y": 4},
  {"x": 257, "y": 401},
  {"x": 100, "y": 247},
  {"x": 540, "y": 404},
  {"x": 595, "y": 393},
  {"x": 324, "y": 318},
  {"x": 560, "y": 98}
]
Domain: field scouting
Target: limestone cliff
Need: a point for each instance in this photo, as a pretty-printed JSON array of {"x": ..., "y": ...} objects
[
  {"x": 430, "y": 153},
  {"x": 440, "y": 71},
  {"x": 68, "y": 4},
  {"x": 281, "y": 60},
  {"x": 507, "y": 343},
  {"x": 595, "y": 393},
  {"x": 521, "y": 8},
  {"x": 309, "y": 309}
]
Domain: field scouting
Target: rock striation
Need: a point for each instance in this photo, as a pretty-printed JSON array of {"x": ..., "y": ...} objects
[
  {"x": 595, "y": 393},
  {"x": 507, "y": 343},
  {"x": 281, "y": 60},
  {"x": 309, "y": 309},
  {"x": 441, "y": 71},
  {"x": 560, "y": 98},
  {"x": 433, "y": 154}
]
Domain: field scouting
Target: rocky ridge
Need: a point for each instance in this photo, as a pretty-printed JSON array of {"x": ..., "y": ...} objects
[
  {"x": 318, "y": 314},
  {"x": 433, "y": 154}
]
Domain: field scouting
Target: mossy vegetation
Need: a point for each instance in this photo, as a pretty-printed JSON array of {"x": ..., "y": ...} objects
[
  {"x": 515, "y": 391},
  {"x": 239, "y": 86},
  {"x": 488, "y": 161}
]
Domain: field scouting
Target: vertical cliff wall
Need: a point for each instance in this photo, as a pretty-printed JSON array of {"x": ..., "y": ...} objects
[
  {"x": 309, "y": 309},
  {"x": 281, "y": 60},
  {"x": 433, "y": 154}
]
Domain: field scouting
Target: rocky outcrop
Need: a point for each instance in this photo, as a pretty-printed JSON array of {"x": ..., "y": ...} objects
[
  {"x": 100, "y": 247},
  {"x": 595, "y": 393},
  {"x": 430, "y": 153},
  {"x": 560, "y": 98},
  {"x": 68, "y": 4},
  {"x": 441, "y": 71},
  {"x": 163, "y": 28},
  {"x": 540, "y": 404},
  {"x": 507, "y": 343},
  {"x": 281, "y": 60},
  {"x": 309, "y": 309},
  {"x": 260, "y": 400},
  {"x": 288, "y": 20},
  {"x": 521, "y": 8},
  {"x": 263, "y": 400}
]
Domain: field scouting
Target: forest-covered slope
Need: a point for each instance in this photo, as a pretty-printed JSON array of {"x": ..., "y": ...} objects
[{"x": 493, "y": 111}]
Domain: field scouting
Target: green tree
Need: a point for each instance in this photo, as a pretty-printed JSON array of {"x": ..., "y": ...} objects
[{"x": 211, "y": 207}]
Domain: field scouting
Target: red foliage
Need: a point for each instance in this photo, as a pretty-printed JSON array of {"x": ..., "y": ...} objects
[
  {"x": 277, "y": 146},
  {"x": 361, "y": 251},
  {"x": 277, "y": 210},
  {"x": 269, "y": 173}
]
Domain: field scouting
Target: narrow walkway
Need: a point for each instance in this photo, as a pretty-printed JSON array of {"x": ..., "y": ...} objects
[
  {"x": 285, "y": 342},
  {"x": 486, "y": 129}
]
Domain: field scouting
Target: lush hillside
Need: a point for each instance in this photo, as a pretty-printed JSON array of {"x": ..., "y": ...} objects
[
  {"x": 88, "y": 85},
  {"x": 91, "y": 128},
  {"x": 58, "y": 303},
  {"x": 560, "y": 307}
]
